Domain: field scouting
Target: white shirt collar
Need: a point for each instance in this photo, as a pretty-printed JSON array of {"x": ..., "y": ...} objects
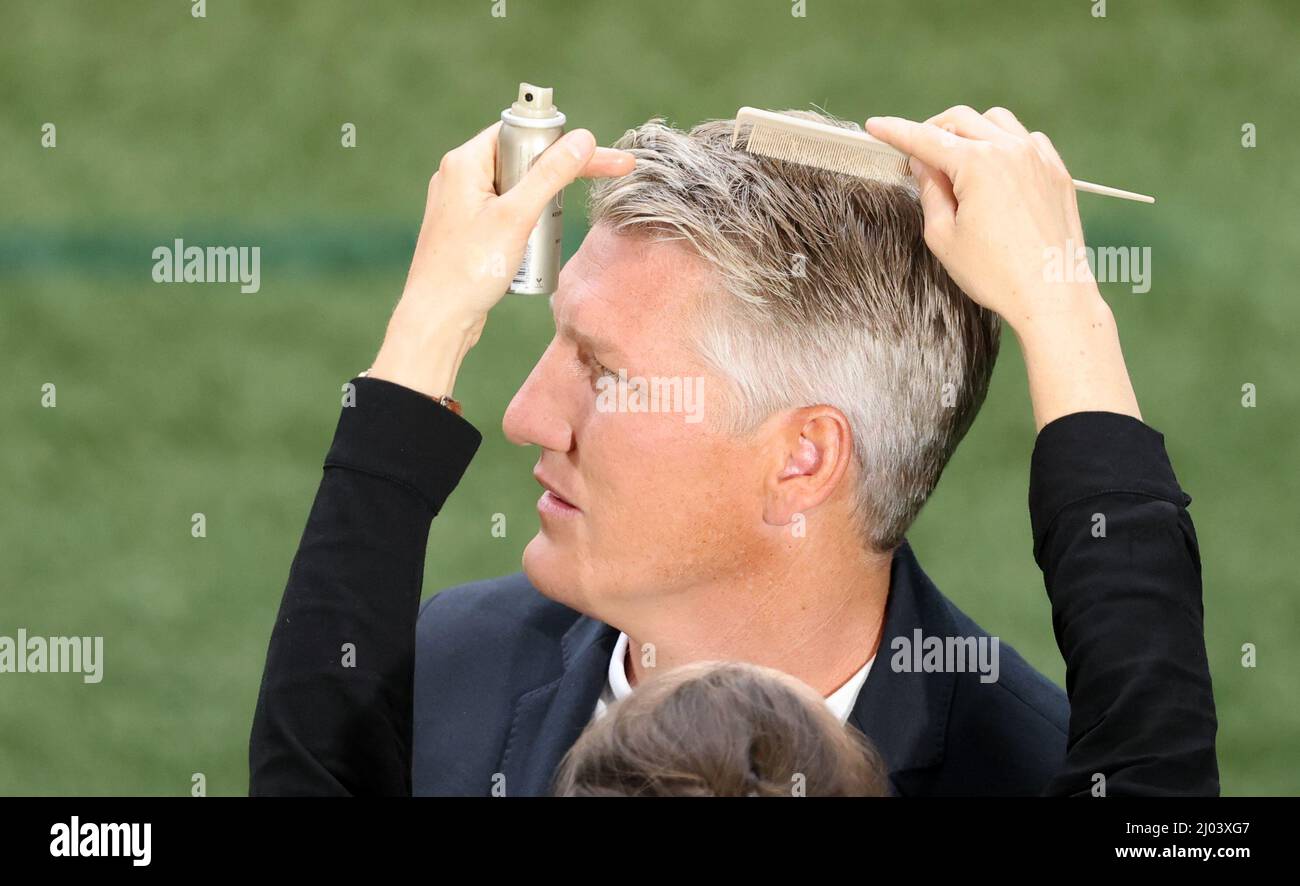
[
  {"x": 618, "y": 669},
  {"x": 840, "y": 701}
]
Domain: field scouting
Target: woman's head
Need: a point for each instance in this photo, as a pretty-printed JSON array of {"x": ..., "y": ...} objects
[{"x": 721, "y": 729}]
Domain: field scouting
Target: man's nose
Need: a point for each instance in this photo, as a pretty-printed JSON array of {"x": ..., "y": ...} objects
[{"x": 536, "y": 416}]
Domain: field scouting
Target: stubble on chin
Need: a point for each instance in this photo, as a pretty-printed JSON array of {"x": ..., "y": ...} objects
[{"x": 551, "y": 574}]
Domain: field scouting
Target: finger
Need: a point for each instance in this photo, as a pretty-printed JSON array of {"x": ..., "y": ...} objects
[
  {"x": 554, "y": 170},
  {"x": 967, "y": 122},
  {"x": 936, "y": 147},
  {"x": 938, "y": 202},
  {"x": 1048, "y": 151},
  {"x": 486, "y": 138},
  {"x": 609, "y": 162},
  {"x": 472, "y": 166},
  {"x": 1006, "y": 121}
]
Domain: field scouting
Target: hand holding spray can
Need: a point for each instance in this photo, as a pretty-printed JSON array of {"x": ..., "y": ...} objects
[{"x": 528, "y": 127}]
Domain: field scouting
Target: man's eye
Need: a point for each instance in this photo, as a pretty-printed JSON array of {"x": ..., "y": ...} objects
[{"x": 598, "y": 369}]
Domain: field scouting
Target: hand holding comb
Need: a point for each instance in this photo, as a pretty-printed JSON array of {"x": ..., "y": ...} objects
[{"x": 849, "y": 151}]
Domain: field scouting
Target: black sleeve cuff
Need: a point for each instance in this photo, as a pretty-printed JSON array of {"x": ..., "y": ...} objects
[
  {"x": 1085, "y": 454},
  {"x": 403, "y": 436}
]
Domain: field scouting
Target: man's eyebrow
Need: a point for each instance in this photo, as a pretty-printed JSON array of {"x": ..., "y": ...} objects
[
  {"x": 588, "y": 342},
  {"x": 591, "y": 343}
]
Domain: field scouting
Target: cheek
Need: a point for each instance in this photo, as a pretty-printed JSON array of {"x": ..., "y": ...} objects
[{"x": 669, "y": 494}]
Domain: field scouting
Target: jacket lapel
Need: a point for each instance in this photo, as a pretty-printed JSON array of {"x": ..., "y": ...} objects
[
  {"x": 549, "y": 719},
  {"x": 905, "y": 713}
]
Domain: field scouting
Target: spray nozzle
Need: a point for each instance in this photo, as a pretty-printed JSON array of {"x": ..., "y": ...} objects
[{"x": 534, "y": 101}]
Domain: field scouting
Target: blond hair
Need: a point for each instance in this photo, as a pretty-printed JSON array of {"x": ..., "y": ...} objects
[{"x": 827, "y": 295}]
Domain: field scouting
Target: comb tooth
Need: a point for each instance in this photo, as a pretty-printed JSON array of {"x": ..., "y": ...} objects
[{"x": 863, "y": 161}]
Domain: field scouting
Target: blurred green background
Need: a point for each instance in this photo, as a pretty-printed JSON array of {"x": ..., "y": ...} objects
[{"x": 226, "y": 130}]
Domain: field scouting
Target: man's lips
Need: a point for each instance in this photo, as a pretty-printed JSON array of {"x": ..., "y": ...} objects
[
  {"x": 558, "y": 497},
  {"x": 551, "y": 504}
]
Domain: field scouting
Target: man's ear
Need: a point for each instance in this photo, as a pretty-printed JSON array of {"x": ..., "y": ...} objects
[{"x": 811, "y": 448}]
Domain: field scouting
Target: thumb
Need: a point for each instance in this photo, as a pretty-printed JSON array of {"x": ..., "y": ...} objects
[
  {"x": 558, "y": 166},
  {"x": 938, "y": 203}
]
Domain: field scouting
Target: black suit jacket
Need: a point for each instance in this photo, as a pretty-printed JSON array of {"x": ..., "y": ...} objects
[
  {"x": 505, "y": 680},
  {"x": 495, "y": 682}
]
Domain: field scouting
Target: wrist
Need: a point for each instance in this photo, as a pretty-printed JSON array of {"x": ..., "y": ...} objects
[
  {"x": 1075, "y": 364},
  {"x": 1057, "y": 314},
  {"x": 424, "y": 353},
  {"x": 415, "y": 318}
]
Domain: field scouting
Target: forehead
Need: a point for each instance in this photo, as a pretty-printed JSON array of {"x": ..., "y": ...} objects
[{"x": 628, "y": 287}]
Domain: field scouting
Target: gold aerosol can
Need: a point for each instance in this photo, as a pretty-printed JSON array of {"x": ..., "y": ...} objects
[{"x": 528, "y": 127}]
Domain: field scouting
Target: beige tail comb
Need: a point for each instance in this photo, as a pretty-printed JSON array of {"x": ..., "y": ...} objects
[{"x": 850, "y": 151}]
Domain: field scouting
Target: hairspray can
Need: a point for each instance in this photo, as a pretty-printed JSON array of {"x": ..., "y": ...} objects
[{"x": 528, "y": 127}]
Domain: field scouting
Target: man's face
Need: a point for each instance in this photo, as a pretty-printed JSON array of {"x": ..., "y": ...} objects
[{"x": 659, "y": 502}]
